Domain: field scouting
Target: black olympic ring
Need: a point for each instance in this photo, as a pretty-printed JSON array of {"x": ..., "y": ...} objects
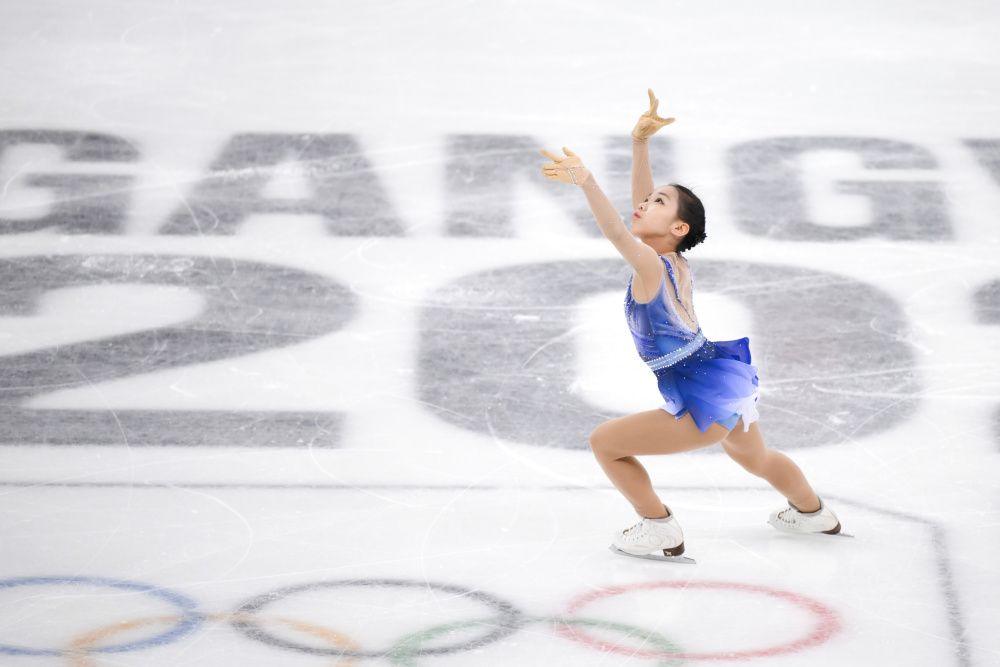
[
  {"x": 406, "y": 651},
  {"x": 508, "y": 620}
]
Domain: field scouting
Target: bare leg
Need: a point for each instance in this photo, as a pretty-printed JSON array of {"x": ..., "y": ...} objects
[
  {"x": 748, "y": 449},
  {"x": 616, "y": 443}
]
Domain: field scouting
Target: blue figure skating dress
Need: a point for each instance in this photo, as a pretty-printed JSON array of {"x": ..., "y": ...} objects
[{"x": 711, "y": 381}]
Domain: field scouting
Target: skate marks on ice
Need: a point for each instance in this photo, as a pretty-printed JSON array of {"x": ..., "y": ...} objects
[
  {"x": 411, "y": 622},
  {"x": 502, "y": 319},
  {"x": 770, "y": 183},
  {"x": 687, "y": 560},
  {"x": 987, "y": 304},
  {"x": 664, "y": 558},
  {"x": 246, "y": 307},
  {"x": 351, "y": 590},
  {"x": 507, "y": 332},
  {"x": 502, "y": 331}
]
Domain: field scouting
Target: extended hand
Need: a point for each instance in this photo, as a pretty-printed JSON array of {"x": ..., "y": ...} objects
[
  {"x": 649, "y": 123},
  {"x": 567, "y": 169}
]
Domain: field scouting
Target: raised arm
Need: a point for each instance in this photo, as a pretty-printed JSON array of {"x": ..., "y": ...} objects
[
  {"x": 646, "y": 265},
  {"x": 642, "y": 174}
]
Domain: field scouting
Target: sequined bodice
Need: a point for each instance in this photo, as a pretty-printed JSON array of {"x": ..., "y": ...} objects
[{"x": 657, "y": 327}]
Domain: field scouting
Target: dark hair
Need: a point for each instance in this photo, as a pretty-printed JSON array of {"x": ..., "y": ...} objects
[{"x": 692, "y": 211}]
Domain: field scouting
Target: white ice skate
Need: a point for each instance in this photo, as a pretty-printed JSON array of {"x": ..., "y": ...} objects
[
  {"x": 651, "y": 537},
  {"x": 822, "y": 521}
]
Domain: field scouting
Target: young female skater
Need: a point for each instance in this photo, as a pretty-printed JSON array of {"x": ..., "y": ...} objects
[{"x": 710, "y": 388}]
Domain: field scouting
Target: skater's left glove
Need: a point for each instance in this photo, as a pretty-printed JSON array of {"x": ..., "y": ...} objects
[{"x": 567, "y": 169}]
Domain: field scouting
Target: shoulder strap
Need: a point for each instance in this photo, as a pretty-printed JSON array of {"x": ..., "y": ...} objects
[{"x": 670, "y": 274}]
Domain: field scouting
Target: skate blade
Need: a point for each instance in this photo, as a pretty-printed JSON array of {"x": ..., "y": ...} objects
[
  {"x": 837, "y": 534},
  {"x": 661, "y": 558}
]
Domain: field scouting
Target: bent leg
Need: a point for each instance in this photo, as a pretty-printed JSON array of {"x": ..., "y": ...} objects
[
  {"x": 748, "y": 449},
  {"x": 617, "y": 442}
]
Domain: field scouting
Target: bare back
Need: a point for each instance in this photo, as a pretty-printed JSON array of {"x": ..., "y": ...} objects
[{"x": 679, "y": 290}]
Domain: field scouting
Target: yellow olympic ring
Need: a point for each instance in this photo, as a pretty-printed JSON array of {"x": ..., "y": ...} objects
[{"x": 81, "y": 653}]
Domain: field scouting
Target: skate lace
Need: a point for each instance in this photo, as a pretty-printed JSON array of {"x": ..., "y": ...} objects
[
  {"x": 636, "y": 532},
  {"x": 789, "y": 516}
]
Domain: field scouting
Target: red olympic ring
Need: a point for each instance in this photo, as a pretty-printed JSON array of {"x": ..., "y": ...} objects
[
  {"x": 827, "y": 622},
  {"x": 82, "y": 650}
]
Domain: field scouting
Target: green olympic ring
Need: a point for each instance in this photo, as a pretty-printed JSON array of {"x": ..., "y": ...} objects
[
  {"x": 505, "y": 620},
  {"x": 406, "y": 652}
]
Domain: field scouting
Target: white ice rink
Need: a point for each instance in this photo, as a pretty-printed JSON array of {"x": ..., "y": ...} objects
[{"x": 300, "y": 353}]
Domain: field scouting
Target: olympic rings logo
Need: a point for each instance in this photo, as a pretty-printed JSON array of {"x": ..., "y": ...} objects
[{"x": 503, "y": 619}]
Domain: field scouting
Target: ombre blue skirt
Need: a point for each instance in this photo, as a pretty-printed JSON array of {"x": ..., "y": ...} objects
[{"x": 715, "y": 384}]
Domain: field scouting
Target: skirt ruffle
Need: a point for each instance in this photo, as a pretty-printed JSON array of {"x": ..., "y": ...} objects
[{"x": 714, "y": 385}]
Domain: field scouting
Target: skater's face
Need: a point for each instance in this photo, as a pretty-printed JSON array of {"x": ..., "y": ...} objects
[{"x": 656, "y": 218}]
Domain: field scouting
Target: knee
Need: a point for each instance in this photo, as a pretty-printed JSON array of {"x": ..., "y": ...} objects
[
  {"x": 601, "y": 439},
  {"x": 754, "y": 461}
]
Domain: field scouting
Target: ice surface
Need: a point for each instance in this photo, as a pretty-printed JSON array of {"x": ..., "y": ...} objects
[{"x": 300, "y": 354}]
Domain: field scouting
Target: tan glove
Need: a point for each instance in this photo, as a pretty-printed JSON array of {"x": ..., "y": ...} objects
[
  {"x": 649, "y": 123},
  {"x": 567, "y": 169}
]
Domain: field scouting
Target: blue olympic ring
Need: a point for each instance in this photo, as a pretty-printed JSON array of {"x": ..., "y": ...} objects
[
  {"x": 190, "y": 617},
  {"x": 504, "y": 621}
]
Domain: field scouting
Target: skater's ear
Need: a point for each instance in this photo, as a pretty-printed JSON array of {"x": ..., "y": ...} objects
[{"x": 679, "y": 229}]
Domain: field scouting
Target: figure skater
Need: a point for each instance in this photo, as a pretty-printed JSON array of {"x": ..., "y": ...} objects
[{"x": 709, "y": 388}]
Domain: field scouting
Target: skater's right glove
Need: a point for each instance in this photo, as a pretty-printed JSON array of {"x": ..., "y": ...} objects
[
  {"x": 567, "y": 169},
  {"x": 649, "y": 123}
]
